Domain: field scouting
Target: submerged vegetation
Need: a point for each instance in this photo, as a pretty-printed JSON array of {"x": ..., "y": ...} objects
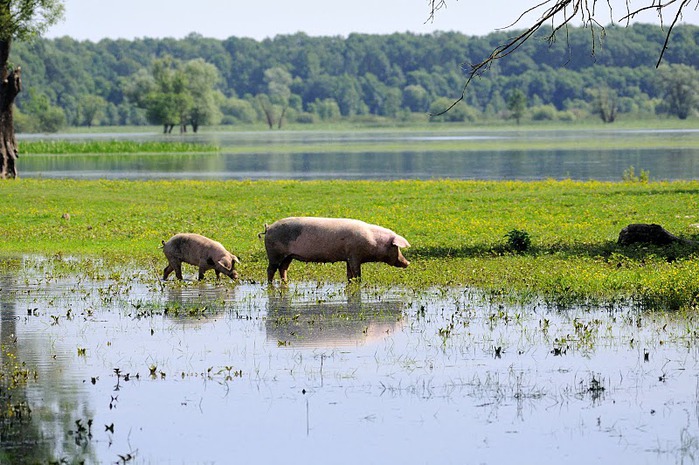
[{"x": 461, "y": 231}]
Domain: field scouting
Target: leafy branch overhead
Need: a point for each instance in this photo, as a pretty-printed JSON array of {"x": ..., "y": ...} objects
[
  {"x": 27, "y": 19},
  {"x": 558, "y": 15}
]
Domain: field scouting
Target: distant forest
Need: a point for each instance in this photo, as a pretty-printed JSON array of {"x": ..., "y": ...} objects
[{"x": 302, "y": 79}]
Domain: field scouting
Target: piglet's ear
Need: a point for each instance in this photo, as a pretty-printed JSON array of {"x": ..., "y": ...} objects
[{"x": 400, "y": 241}]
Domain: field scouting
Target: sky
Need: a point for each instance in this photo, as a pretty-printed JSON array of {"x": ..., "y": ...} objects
[{"x": 259, "y": 19}]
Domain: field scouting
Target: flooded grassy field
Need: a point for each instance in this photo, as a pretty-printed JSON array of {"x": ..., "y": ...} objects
[{"x": 125, "y": 368}]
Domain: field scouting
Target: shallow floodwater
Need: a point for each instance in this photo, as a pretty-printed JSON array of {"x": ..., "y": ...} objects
[
  {"x": 128, "y": 369},
  {"x": 467, "y": 154}
]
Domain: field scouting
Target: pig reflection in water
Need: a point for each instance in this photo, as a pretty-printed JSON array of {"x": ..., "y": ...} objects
[
  {"x": 319, "y": 324},
  {"x": 189, "y": 305},
  {"x": 328, "y": 240}
]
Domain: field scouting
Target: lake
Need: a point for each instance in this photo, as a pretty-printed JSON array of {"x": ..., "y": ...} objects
[
  {"x": 601, "y": 154},
  {"x": 129, "y": 369}
]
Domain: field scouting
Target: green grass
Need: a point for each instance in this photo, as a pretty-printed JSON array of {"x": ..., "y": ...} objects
[
  {"x": 457, "y": 230},
  {"x": 60, "y": 147}
]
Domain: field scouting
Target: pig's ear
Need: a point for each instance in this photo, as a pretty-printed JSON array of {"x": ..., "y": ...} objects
[
  {"x": 235, "y": 259},
  {"x": 224, "y": 265},
  {"x": 400, "y": 241}
]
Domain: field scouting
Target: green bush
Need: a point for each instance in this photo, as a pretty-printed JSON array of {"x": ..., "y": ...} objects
[
  {"x": 544, "y": 113},
  {"x": 518, "y": 240}
]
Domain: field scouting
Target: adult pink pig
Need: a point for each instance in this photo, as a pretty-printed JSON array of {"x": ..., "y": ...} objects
[
  {"x": 327, "y": 240},
  {"x": 199, "y": 251}
]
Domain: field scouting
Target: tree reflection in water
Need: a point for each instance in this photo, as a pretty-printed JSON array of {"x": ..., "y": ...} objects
[{"x": 31, "y": 430}]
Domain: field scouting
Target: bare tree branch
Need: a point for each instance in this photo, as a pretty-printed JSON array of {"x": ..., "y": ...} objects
[
  {"x": 669, "y": 31},
  {"x": 435, "y": 5},
  {"x": 560, "y": 14}
]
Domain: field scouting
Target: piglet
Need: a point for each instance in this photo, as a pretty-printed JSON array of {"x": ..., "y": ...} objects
[
  {"x": 199, "y": 251},
  {"x": 327, "y": 240}
]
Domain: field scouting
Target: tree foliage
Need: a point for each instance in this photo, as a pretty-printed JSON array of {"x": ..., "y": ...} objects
[
  {"x": 91, "y": 108},
  {"x": 680, "y": 87},
  {"x": 605, "y": 103},
  {"x": 202, "y": 80},
  {"x": 26, "y": 19},
  {"x": 176, "y": 93},
  {"x": 366, "y": 76},
  {"x": 41, "y": 115},
  {"x": 276, "y": 103},
  {"x": 517, "y": 104}
]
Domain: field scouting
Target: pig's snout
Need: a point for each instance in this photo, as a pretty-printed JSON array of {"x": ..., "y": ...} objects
[
  {"x": 234, "y": 274},
  {"x": 401, "y": 262}
]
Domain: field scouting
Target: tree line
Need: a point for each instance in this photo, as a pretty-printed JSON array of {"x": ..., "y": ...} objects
[{"x": 197, "y": 81}]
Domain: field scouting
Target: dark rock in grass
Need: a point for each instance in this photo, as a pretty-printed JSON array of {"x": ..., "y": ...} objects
[{"x": 648, "y": 234}]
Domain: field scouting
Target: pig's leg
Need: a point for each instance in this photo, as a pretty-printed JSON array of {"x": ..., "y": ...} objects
[
  {"x": 283, "y": 267},
  {"x": 166, "y": 272},
  {"x": 271, "y": 269},
  {"x": 354, "y": 270},
  {"x": 201, "y": 273}
]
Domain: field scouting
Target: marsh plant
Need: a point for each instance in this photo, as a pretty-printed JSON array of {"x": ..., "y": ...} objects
[
  {"x": 631, "y": 176},
  {"x": 518, "y": 240},
  {"x": 58, "y": 147}
]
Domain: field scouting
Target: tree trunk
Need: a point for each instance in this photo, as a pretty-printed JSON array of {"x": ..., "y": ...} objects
[
  {"x": 281, "y": 118},
  {"x": 10, "y": 86},
  {"x": 268, "y": 111}
]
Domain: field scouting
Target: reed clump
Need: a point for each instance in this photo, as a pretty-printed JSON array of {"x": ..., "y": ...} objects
[{"x": 61, "y": 147}]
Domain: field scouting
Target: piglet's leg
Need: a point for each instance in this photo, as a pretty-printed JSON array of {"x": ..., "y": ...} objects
[{"x": 178, "y": 269}]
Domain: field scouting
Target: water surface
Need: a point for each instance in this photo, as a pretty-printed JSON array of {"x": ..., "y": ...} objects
[
  {"x": 468, "y": 154},
  {"x": 317, "y": 373}
]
